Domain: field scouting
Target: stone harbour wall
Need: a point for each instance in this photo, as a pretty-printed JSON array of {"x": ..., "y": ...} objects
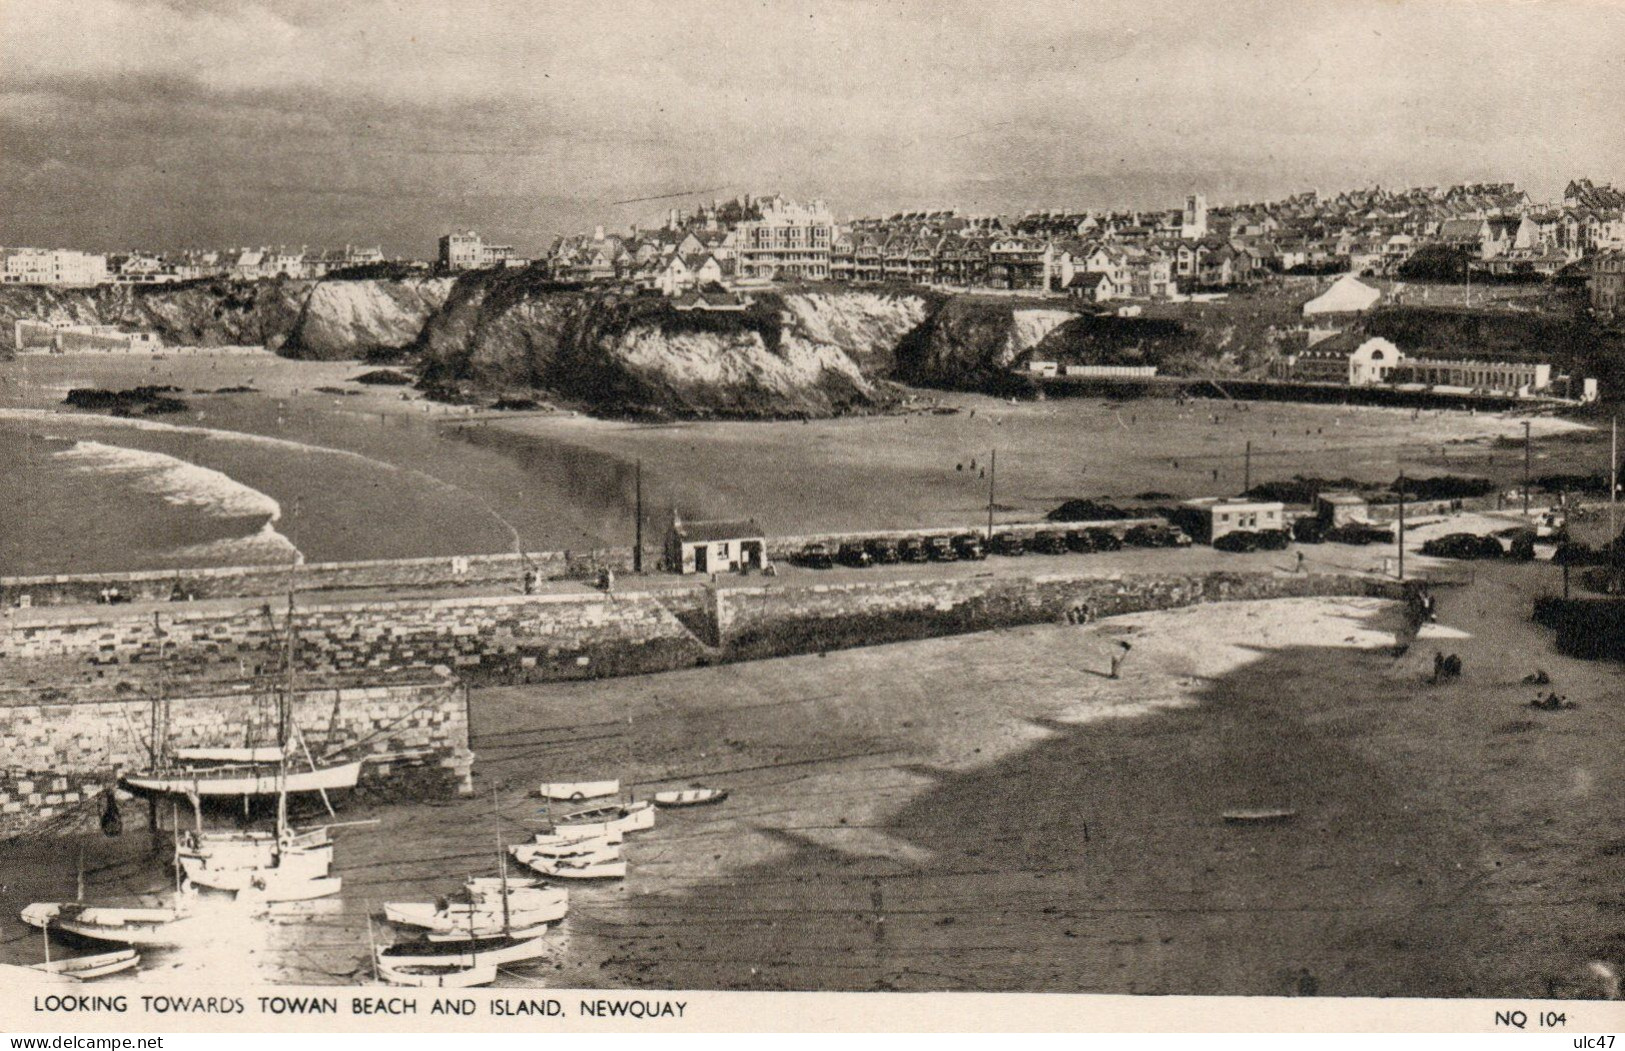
[
  {"x": 58, "y": 759},
  {"x": 503, "y": 638}
]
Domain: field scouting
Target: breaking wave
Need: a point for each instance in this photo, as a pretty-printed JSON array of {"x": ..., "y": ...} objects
[{"x": 183, "y": 484}]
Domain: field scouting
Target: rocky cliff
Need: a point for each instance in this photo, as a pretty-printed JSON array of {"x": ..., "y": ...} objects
[
  {"x": 316, "y": 319},
  {"x": 812, "y": 352}
]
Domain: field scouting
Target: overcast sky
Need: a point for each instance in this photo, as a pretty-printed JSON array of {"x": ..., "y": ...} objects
[{"x": 167, "y": 123}]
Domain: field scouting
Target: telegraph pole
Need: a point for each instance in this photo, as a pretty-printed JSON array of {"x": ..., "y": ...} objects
[
  {"x": 992, "y": 477},
  {"x": 1526, "y": 468},
  {"x": 1401, "y": 525},
  {"x": 1247, "y": 469},
  {"x": 637, "y": 545},
  {"x": 1613, "y": 479}
]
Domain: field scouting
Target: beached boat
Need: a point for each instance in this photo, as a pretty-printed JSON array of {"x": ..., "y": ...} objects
[
  {"x": 1258, "y": 817},
  {"x": 447, "y": 977},
  {"x": 690, "y": 797},
  {"x": 585, "y": 848},
  {"x": 160, "y": 926},
  {"x": 576, "y": 791},
  {"x": 588, "y": 868},
  {"x": 247, "y": 779},
  {"x": 272, "y": 885},
  {"x": 607, "y": 820},
  {"x": 489, "y": 886},
  {"x": 89, "y": 968},
  {"x": 481, "y": 919},
  {"x": 464, "y": 952},
  {"x": 222, "y": 870},
  {"x": 566, "y": 838}
]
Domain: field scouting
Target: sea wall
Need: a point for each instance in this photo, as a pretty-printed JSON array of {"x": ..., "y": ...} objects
[
  {"x": 768, "y": 621},
  {"x": 528, "y": 638},
  {"x": 513, "y": 638},
  {"x": 63, "y": 750}
]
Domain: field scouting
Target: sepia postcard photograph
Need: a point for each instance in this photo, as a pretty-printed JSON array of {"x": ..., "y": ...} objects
[{"x": 581, "y": 515}]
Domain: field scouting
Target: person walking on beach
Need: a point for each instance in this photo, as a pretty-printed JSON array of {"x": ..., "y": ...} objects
[{"x": 1117, "y": 658}]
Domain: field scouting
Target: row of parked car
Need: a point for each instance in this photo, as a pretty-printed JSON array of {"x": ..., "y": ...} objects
[{"x": 885, "y": 551}]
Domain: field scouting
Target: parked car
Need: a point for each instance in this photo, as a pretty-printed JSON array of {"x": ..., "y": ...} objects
[
  {"x": 1309, "y": 531},
  {"x": 1239, "y": 542},
  {"x": 882, "y": 551},
  {"x": 1078, "y": 540},
  {"x": 1463, "y": 545},
  {"x": 1104, "y": 539},
  {"x": 1150, "y": 534},
  {"x": 941, "y": 549},
  {"x": 816, "y": 556},
  {"x": 1360, "y": 534},
  {"x": 852, "y": 554},
  {"x": 970, "y": 547},
  {"x": 1049, "y": 542},
  {"x": 1273, "y": 539},
  {"x": 913, "y": 549},
  {"x": 1008, "y": 544}
]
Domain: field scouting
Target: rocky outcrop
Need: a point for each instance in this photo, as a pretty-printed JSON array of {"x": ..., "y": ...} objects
[
  {"x": 814, "y": 353},
  {"x": 317, "y": 319}
]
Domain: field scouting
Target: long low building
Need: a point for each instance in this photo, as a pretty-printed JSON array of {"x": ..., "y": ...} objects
[{"x": 1374, "y": 361}]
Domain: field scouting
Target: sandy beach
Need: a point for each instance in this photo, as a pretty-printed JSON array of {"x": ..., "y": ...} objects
[{"x": 992, "y": 812}]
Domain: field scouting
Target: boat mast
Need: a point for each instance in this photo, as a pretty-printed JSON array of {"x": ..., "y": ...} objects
[{"x": 502, "y": 864}]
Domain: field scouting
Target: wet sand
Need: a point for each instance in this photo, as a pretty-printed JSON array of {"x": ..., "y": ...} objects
[{"x": 992, "y": 812}]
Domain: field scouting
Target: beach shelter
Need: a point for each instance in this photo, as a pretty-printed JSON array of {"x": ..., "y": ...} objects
[{"x": 1348, "y": 295}]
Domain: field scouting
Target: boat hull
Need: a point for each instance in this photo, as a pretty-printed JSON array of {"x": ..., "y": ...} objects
[
  {"x": 576, "y": 791},
  {"x": 465, "y": 952},
  {"x": 89, "y": 968},
  {"x": 229, "y": 781},
  {"x": 120, "y": 926},
  {"x": 449, "y": 978}
]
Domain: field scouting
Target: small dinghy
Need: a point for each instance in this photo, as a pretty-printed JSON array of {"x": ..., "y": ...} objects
[
  {"x": 690, "y": 797},
  {"x": 109, "y": 924},
  {"x": 584, "y": 848},
  {"x": 273, "y": 886},
  {"x": 568, "y": 838},
  {"x": 439, "y": 977},
  {"x": 588, "y": 868},
  {"x": 576, "y": 791},
  {"x": 1258, "y": 817},
  {"x": 607, "y": 820},
  {"x": 489, "y": 886},
  {"x": 526, "y": 916},
  {"x": 89, "y": 968},
  {"x": 464, "y": 952}
]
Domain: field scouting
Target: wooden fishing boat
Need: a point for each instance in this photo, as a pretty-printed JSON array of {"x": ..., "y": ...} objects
[
  {"x": 223, "y": 871},
  {"x": 1258, "y": 817},
  {"x": 465, "y": 952},
  {"x": 565, "y": 838},
  {"x": 690, "y": 797},
  {"x": 161, "y": 926},
  {"x": 480, "y": 920},
  {"x": 576, "y": 791},
  {"x": 272, "y": 885},
  {"x": 633, "y": 817},
  {"x": 247, "y": 779},
  {"x": 89, "y": 968},
  {"x": 450, "y": 977},
  {"x": 589, "y": 868},
  {"x": 487, "y": 886}
]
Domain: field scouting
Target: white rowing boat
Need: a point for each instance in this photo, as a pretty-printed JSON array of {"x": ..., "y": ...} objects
[
  {"x": 585, "y": 848},
  {"x": 464, "y": 952},
  {"x": 89, "y": 968},
  {"x": 690, "y": 797},
  {"x": 482, "y": 919},
  {"x": 576, "y": 791},
  {"x": 605, "y": 821},
  {"x": 452, "y": 977},
  {"x": 566, "y": 838}
]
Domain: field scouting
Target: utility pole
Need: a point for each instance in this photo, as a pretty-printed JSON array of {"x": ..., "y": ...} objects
[
  {"x": 1613, "y": 480},
  {"x": 1526, "y": 468},
  {"x": 1401, "y": 525},
  {"x": 992, "y": 478},
  {"x": 637, "y": 546},
  {"x": 1247, "y": 469}
]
